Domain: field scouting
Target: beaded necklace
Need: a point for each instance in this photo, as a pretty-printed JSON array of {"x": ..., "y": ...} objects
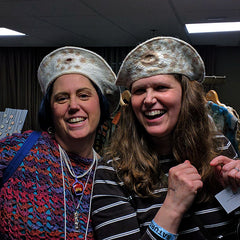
[{"x": 78, "y": 188}]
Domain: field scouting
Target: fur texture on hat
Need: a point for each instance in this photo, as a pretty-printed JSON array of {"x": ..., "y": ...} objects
[
  {"x": 161, "y": 55},
  {"x": 67, "y": 60}
]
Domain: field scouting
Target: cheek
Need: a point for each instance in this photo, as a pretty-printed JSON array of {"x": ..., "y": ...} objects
[
  {"x": 94, "y": 107},
  {"x": 135, "y": 106},
  {"x": 57, "y": 112},
  {"x": 177, "y": 104},
  {"x": 136, "y": 103}
]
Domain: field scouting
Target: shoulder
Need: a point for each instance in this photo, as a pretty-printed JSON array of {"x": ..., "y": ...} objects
[
  {"x": 10, "y": 145},
  {"x": 17, "y": 139},
  {"x": 102, "y": 162},
  {"x": 106, "y": 168},
  {"x": 106, "y": 175}
]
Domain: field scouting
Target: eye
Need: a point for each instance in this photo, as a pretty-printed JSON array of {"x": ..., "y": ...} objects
[
  {"x": 161, "y": 88},
  {"x": 61, "y": 98},
  {"x": 138, "y": 91},
  {"x": 84, "y": 96}
]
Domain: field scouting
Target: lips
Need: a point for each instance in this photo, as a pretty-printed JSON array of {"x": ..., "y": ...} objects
[
  {"x": 76, "y": 120},
  {"x": 154, "y": 114}
]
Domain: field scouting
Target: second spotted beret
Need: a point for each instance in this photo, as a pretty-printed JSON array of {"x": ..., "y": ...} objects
[{"x": 161, "y": 55}]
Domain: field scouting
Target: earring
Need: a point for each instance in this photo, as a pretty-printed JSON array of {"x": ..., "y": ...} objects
[{"x": 51, "y": 130}]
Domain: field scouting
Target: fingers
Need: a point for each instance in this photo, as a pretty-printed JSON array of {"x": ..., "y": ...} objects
[
  {"x": 231, "y": 165},
  {"x": 231, "y": 177},
  {"x": 220, "y": 160},
  {"x": 228, "y": 171},
  {"x": 185, "y": 176},
  {"x": 183, "y": 184}
]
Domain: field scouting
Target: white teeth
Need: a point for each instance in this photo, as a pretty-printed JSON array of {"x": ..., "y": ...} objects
[
  {"x": 154, "y": 112},
  {"x": 75, "y": 120}
]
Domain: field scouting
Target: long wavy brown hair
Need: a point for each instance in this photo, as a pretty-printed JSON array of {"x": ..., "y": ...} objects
[{"x": 192, "y": 139}]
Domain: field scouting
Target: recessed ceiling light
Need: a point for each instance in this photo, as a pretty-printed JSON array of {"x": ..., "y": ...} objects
[
  {"x": 213, "y": 27},
  {"x": 9, "y": 32}
]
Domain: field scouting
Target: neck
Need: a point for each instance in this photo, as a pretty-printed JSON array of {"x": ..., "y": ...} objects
[
  {"x": 81, "y": 147},
  {"x": 163, "y": 145}
]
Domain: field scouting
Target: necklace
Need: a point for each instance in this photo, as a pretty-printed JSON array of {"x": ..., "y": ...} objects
[
  {"x": 64, "y": 155},
  {"x": 77, "y": 186},
  {"x": 77, "y": 213},
  {"x": 64, "y": 158}
]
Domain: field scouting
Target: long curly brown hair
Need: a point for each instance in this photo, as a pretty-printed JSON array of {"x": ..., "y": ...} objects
[{"x": 192, "y": 139}]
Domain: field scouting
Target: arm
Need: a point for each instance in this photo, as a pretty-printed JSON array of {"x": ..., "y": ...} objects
[
  {"x": 183, "y": 183},
  {"x": 112, "y": 214}
]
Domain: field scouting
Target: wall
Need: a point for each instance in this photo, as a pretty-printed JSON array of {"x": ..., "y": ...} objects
[
  {"x": 19, "y": 87},
  {"x": 228, "y": 64}
]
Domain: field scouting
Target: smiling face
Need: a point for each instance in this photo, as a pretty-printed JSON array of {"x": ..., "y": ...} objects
[
  {"x": 75, "y": 109},
  {"x": 156, "y": 102}
]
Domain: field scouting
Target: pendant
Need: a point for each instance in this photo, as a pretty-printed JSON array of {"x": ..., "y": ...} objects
[
  {"x": 76, "y": 222},
  {"x": 77, "y": 188}
]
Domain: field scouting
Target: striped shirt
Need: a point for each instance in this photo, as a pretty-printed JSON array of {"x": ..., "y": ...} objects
[{"x": 118, "y": 215}]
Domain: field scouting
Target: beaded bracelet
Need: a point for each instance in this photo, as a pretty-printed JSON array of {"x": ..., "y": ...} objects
[{"x": 161, "y": 232}]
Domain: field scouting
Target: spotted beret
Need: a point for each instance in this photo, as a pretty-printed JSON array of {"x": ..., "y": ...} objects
[
  {"x": 161, "y": 55},
  {"x": 68, "y": 60}
]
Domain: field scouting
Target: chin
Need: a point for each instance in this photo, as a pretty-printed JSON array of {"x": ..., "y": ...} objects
[
  {"x": 78, "y": 136},
  {"x": 157, "y": 133}
]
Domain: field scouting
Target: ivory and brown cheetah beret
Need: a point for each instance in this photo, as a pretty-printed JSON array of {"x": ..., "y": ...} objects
[
  {"x": 70, "y": 59},
  {"x": 161, "y": 55}
]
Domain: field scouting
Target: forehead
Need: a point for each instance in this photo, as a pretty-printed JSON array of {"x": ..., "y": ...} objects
[
  {"x": 70, "y": 82},
  {"x": 154, "y": 80}
]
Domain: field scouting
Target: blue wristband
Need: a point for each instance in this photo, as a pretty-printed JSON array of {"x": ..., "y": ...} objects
[{"x": 161, "y": 232}]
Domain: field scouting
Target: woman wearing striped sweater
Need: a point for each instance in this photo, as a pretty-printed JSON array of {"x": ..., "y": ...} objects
[{"x": 165, "y": 159}]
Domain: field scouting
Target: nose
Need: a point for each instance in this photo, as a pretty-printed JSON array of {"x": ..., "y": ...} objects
[
  {"x": 73, "y": 105},
  {"x": 150, "y": 98}
]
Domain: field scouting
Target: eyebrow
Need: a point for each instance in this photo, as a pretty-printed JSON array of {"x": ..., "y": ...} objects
[{"x": 78, "y": 90}]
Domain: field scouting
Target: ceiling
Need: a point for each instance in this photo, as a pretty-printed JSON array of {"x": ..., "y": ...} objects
[{"x": 95, "y": 23}]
